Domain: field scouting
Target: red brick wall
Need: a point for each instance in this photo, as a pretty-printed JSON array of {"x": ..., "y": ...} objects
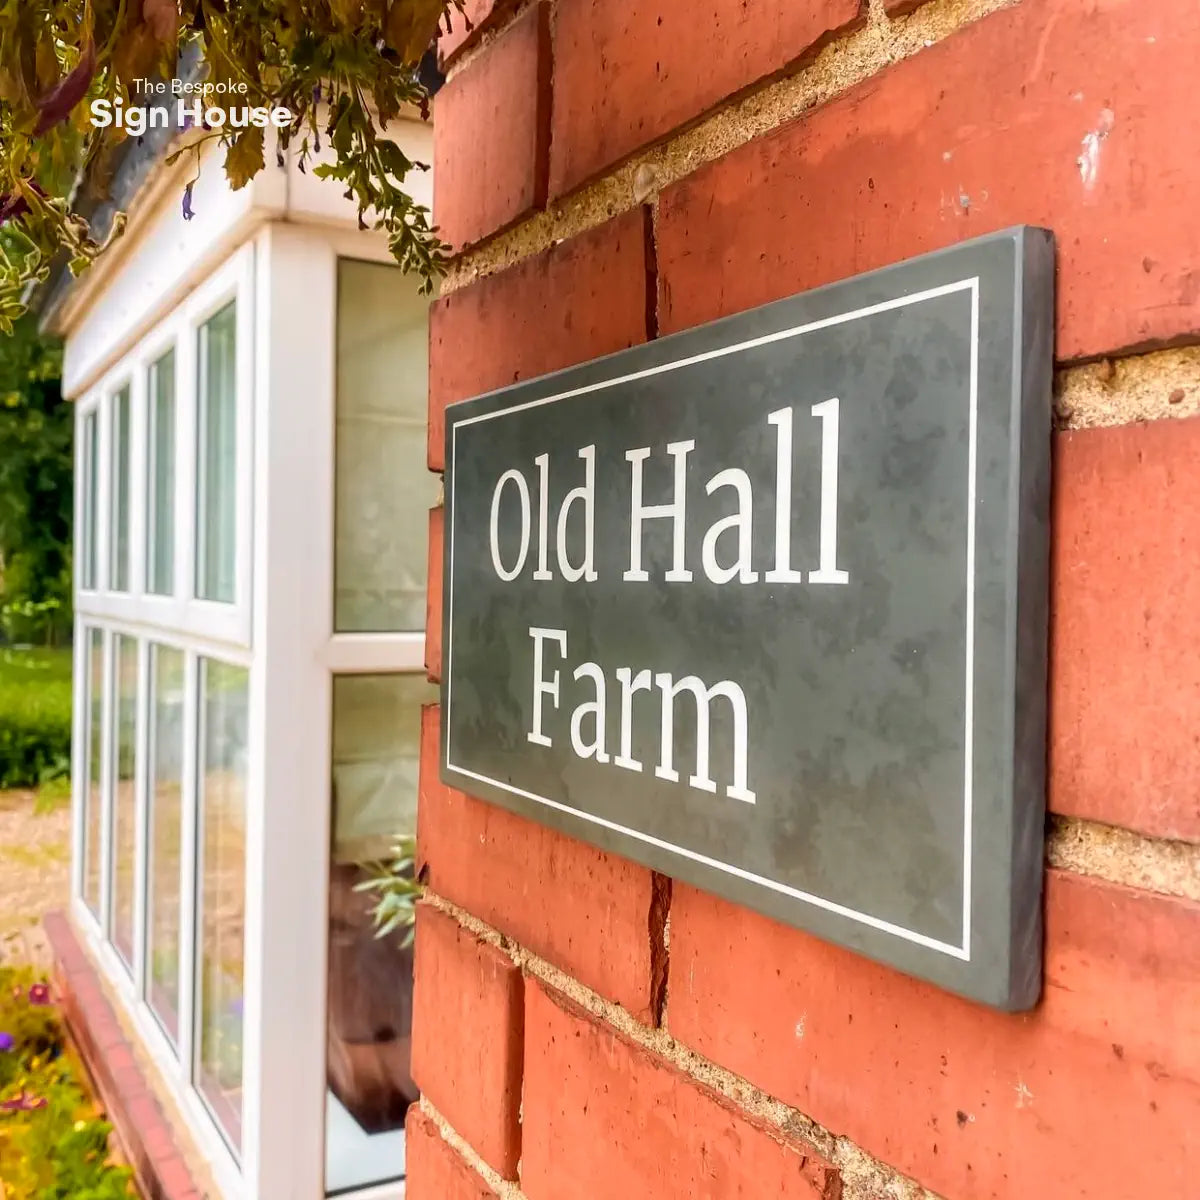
[{"x": 620, "y": 169}]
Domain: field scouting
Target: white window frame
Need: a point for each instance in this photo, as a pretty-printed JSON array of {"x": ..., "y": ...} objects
[
  {"x": 182, "y": 611},
  {"x": 281, "y": 628},
  {"x": 301, "y": 655},
  {"x": 198, "y": 628}
]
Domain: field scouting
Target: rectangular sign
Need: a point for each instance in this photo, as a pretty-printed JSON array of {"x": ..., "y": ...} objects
[{"x": 763, "y": 606}]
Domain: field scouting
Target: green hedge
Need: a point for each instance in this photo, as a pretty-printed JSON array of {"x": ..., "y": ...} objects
[{"x": 35, "y": 716}]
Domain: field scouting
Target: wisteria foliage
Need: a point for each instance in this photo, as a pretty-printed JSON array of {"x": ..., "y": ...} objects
[{"x": 344, "y": 69}]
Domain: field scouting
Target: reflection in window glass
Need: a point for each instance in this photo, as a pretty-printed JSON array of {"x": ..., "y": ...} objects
[
  {"x": 165, "y": 770},
  {"x": 119, "y": 563},
  {"x": 89, "y": 490},
  {"x": 92, "y": 801},
  {"x": 376, "y": 742},
  {"x": 383, "y": 491},
  {"x": 124, "y": 794},
  {"x": 224, "y": 697},
  {"x": 216, "y": 465},
  {"x": 160, "y": 475}
]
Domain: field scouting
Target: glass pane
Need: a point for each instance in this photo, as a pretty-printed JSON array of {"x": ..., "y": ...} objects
[
  {"x": 124, "y": 793},
  {"x": 216, "y": 466},
  {"x": 92, "y": 817},
  {"x": 160, "y": 473},
  {"x": 224, "y": 696},
  {"x": 91, "y": 452},
  {"x": 167, "y": 707},
  {"x": 383, "y": 490},
  {"x": 376, "y": 744},
  {"x": 119, "y": 563}
]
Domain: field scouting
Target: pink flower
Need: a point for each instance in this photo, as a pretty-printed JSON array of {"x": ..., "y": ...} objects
[
  {"x": 25, "y": 1102},
  {"x": 39, "y": 994}
]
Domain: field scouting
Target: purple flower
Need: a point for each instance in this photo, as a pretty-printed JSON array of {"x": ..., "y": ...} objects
[
  {"x": 39, "y": 994},
  {"x": 7, "y": 1042},
  {"x": 188, "y": 211},
  {"x": 25, "y": 1102}
]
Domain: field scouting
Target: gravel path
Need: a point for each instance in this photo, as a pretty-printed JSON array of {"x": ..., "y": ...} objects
[{"x": 35, "y": 863}]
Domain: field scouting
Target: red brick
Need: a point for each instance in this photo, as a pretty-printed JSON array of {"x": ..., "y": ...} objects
[
  {"x": 158, "y": 1141},
  {"x": 468, "y": 1021},
  {"x": 126, "y": 1080},
  {"x": 602, "y": 1109},
  {"x": 578, "y": 300},
  {"x": 433, "y": 597},
  {"x": 491, "y": 134},
  {"x": 1125, "y": 675},
  {"x": 627, "y": 74},
  {"x": 1094, "y": 1094},
  {"x": 898, "y": 8},
  {"x": 466, "y": 29},
  {"x": 585, "y": 911},
  {"x": 435, "y": 1171},
  {"x": 984, "y": 130},
  {"x": 174, "y": 1178},
  {"x": 68, "y": 953}
]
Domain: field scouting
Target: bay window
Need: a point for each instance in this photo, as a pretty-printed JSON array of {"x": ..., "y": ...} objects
[{"x": 253, "y": 506}]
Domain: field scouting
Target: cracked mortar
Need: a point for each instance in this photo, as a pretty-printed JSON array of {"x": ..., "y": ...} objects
[
  {"x": 1145, "y": 387},
  {"x": 1119, "y": 856}
]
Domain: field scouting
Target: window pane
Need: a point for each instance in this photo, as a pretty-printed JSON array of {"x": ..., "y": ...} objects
[
  {"x": 224, "y": 696},
  {"x": 124, "y": 831},
  {"x": 91, "y": 452},
  {"x": 165, "y": 834},
  {"x": 160, "y": 474},
  {"x": 376, "y": 743},
  {"x": 92, "y": 816},
  {"x": 119, "y": 562},
  {"x": 216, "y": 467},
  {"x": 383, "y": 490}
]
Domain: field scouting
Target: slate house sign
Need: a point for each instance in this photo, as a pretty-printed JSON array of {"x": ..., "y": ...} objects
[{"x": 763, "y": 605}]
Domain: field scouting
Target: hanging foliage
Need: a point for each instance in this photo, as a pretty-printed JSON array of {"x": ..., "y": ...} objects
[{"x": 342, "y": 68}]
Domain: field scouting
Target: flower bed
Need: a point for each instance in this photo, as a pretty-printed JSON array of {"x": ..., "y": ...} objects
[{"x": 52, "y": 1144}]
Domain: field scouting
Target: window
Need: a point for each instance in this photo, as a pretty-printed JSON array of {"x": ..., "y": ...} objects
[
  {"x": 123, "y": 792},
  {"x": 217, "y": 452},
  {"x": 163, "y": 722},
  {"x": 187, "y": 717},
  {"x": 376, "y": 752},
  {"x": 93, "y": 799},
  {"x": 383, "y": 489},
  {"x": 382, "y": 495},
  {"x": 90, "y": 499},
  {"x": 119, "y": 492},
  {"x": 224, "y": 699},
  {"x": 167, "y": 714},
  {"x": 160, "y": 477}
]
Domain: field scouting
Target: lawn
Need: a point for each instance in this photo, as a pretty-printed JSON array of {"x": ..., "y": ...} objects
[{"x": 35, "y": 715}]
